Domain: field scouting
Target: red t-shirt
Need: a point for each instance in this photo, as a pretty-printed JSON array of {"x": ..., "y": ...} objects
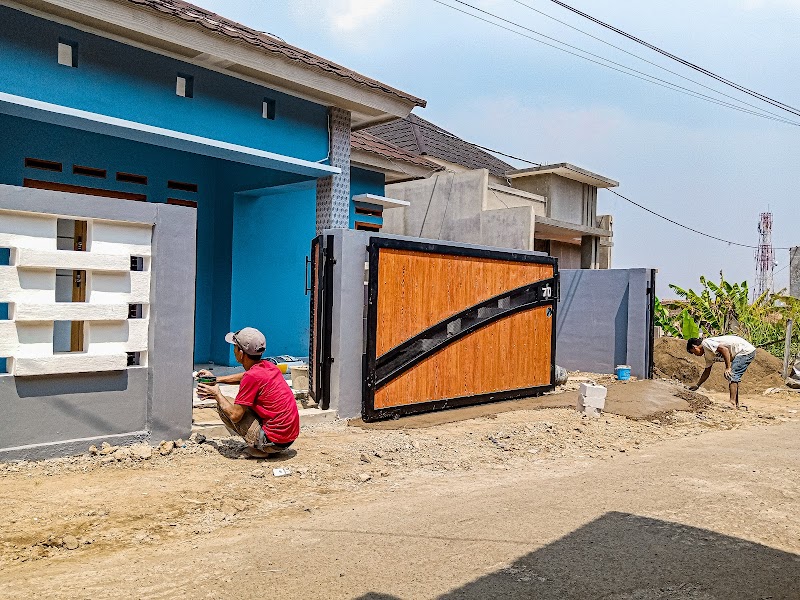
[{"x": 264, "y": 389}]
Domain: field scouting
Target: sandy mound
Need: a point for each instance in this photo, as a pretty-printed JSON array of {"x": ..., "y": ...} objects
[{"x": 673, "y": 362}]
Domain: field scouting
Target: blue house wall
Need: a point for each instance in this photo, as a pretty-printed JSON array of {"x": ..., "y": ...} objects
[
  {"x": 217, "y": 182},
  {"x": 251, "y": 246},
  {"x": 130, "y": 83},
  {"x": 274, "y": 302}
]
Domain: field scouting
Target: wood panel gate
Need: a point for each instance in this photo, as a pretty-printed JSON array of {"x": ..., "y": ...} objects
[{"x": 449, "y": 326}]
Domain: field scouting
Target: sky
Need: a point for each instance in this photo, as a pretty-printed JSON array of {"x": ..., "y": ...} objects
[{"x": 698, "y": 163}]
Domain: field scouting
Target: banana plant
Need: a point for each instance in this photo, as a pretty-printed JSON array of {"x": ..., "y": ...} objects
[{"x": 725, "y": 308}]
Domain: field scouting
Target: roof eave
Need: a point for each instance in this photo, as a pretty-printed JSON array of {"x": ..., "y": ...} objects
[
  {"x": 566, "y": 170},
  {"x": 396, "y": 170},
  {"x": 171, "y": 36}
]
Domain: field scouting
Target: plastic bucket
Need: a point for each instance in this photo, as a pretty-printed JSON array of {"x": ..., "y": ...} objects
[{"x": 623, "y": 372}]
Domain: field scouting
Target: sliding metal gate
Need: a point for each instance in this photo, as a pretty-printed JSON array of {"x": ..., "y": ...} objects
[{"x": 449, "y": 326}]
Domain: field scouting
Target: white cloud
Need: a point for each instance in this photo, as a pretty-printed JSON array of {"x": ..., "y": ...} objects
[
  {"x": 344, "y": 16},
  {"x": 351, "y": 15}
]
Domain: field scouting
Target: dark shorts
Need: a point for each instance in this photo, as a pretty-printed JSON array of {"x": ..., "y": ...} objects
[
  {"x": 739, "y": 365},
  {"x": 249, "y": 427},
  {"x": 264, "y": 443}
]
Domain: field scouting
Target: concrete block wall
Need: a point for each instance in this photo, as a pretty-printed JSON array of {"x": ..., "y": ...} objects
[
  {"x": 58, "y": 403},
  {"x": 604, "y": 320}
]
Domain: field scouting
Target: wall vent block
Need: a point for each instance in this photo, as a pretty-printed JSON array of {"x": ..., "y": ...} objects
[
  {"x": 182, "y": 186},
  {"x": 44, "y": 165},
  {"x": 88, "y": 171},
  {"x": 67, "y": 53},
  {"x": 132, "y": 178},
  {"x": 268, "y": 109},
  {"x": 184, "y": 86}
]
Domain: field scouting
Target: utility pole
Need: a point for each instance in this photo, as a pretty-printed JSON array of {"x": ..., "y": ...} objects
[{"x": 794, "y": 272}]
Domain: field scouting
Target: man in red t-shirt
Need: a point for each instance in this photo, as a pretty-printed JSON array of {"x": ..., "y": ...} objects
[{"x": 264, "y": 412}]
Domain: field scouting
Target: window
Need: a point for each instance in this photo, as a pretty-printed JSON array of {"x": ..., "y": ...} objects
[
  {"x": 5, "y": 257},
  {"x": 361, "y": 226},
  {"x": 67, "y": 53},
  {"x": 88, "y": 171},
  {"x": 184, "y": 86},
  {"x": 371, "y": 212},
  {"x": 134, "y": 359},
  {"x": 135, "y": 311},
  {"x": 268, "y": 109},
  {"x": 44, "y": 165}
]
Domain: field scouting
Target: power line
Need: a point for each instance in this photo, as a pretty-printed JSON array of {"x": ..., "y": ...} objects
[
  {"x": 703, "y": 233},
  {"x": 631, "y": 72},
  {"x": 649, "y": 62},
  {"x": 644, "y": 208},
  {"x": 682, "y": 61}
]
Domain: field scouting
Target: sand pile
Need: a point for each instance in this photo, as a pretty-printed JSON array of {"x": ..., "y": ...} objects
[{"x": 673, "y": 362}]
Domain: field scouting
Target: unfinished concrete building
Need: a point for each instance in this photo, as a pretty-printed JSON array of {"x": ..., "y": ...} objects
[{"x": 477, "y": 198}]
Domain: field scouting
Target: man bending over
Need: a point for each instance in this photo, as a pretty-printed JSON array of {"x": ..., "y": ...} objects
[
  {"x": 737, "y": 353},
  {"x": 264, "y": 412}
]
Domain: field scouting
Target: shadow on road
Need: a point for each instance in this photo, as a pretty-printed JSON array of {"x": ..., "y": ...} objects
[{"x": 626, "y": 557}]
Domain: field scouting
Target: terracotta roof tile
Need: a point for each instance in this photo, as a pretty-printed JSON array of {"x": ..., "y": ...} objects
[
  {"x": 421, "y": 137},
  {"x": 221, "y": 25},
  {"x": 361, "y": 140}
]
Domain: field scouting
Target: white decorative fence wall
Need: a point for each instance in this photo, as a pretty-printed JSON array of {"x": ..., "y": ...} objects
[{"x": 116, "y": 310}]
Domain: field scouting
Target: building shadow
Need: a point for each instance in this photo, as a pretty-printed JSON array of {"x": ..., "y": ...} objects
[
  {"x": 627, "y": 557},
  {"x": 234, "y": 448}
]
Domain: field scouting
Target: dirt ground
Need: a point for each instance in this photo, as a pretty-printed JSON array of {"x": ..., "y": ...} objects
[{"x": 65, "y": 515}]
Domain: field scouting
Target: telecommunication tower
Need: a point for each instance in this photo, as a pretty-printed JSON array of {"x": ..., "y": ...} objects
[{"x": 765, "y": 256}]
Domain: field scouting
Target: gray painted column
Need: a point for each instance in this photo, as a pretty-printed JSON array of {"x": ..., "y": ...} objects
[
  {"x": 169, "y": 414},
  {"x": 794, "y": 272},
  {"x": 347, "y": 327},
  {"x": 589, "y": 251},
  {"x": 333, "y": 193}
]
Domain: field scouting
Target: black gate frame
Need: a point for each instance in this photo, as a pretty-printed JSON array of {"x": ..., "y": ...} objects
[
  {"x": 321, "y": 313},
  {"x": 651, "y": 308},
  {"x": 370, "y": 360}
]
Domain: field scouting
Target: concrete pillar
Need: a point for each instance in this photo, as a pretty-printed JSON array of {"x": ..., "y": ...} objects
[
  {"x": 589, "y": 251},
  {"x": 333, "y": 193},
  {"x": 794, "y": 272}
]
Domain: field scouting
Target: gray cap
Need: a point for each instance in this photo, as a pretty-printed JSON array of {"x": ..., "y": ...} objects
[{"x": 251, "y": 341}]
